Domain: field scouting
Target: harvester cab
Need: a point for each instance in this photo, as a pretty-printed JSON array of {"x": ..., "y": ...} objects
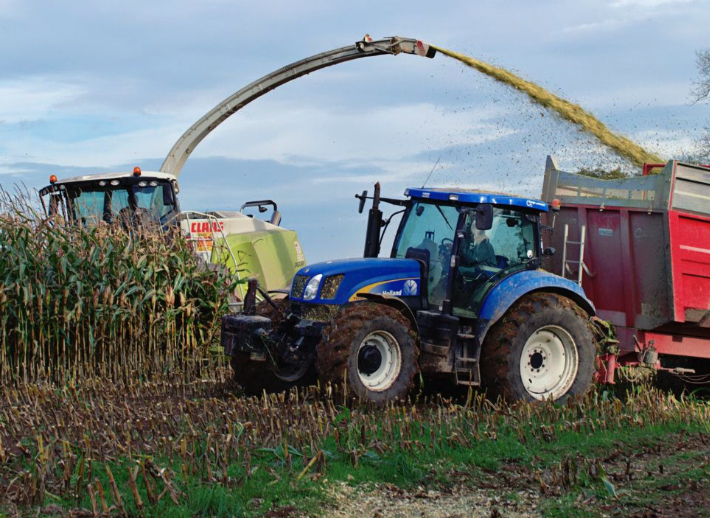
[
  {"x": 133, "y": 200},
  {"x": 248, "y": 245},
  {"x": 462, "y": 296}
]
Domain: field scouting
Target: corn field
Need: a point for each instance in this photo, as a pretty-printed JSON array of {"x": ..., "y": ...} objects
[{"x": 84, "y": 302}]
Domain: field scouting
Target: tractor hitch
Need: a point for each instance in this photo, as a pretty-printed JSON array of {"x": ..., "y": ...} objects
[{"x": 244, "y": 333}]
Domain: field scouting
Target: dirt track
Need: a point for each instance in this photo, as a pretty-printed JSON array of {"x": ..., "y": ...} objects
[{"x": 458, "y": 502}]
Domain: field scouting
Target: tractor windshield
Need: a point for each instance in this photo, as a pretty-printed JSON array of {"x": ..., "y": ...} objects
[{"x": 429, "y": 229}]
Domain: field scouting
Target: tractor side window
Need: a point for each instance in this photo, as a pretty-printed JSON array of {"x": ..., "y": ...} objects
[
  {"x": 512, "y": 238},
  {"x": 430, "y": 228},
  {"x": 485, "y": 254}
]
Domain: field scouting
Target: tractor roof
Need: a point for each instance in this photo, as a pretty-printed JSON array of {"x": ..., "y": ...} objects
[{"x": 469, "y": 196}]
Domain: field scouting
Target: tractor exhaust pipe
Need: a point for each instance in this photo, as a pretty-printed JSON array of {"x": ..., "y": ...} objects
[{"x": 374, "y": 224}]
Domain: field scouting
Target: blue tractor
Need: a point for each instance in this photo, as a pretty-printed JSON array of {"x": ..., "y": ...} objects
[{"x": 462, "y": 296}]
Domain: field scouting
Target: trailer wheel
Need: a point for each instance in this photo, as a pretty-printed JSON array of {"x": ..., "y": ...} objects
[
  {"x": 543, "y": 348},
  {"x": 255, "y": 377},
  {"x": 372, "y": 349}
]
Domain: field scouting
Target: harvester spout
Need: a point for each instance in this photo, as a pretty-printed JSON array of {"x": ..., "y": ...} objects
[
  {"x": 397, "y": 45},
  {"x": 186, "y": 144}
]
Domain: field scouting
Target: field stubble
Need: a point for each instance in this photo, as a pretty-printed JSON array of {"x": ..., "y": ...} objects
[{"x": 186, "y": 449}]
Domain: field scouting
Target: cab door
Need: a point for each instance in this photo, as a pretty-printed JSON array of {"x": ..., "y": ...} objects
[
  {"x": 428, "y": 230},
  {"x": 487, "y": 256}
]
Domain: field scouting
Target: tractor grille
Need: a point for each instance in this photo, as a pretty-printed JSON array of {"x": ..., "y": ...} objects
[
  {"x": 330, "y": 286},
  {"x": 299, "y": 284},
  {"x": 315, "y": 312}
]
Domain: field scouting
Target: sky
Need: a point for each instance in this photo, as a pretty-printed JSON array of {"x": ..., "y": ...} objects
[{"x": 91, "y": 86}]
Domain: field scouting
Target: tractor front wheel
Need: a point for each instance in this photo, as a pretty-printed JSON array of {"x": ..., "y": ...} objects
[
  {"x": 372, "y": 349},
  {"x": 542, "y": 349}
]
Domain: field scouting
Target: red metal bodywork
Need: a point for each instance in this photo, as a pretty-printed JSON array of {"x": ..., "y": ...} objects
[{"x": 647, "y": 248}]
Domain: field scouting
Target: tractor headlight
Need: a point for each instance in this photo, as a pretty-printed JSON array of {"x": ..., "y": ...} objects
[{"x": 312, "y": 287}]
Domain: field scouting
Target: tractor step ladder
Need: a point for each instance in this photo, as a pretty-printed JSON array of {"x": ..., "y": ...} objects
[
  {"x": 466, "y": 364},
  {"x": 582, "y": 267}
]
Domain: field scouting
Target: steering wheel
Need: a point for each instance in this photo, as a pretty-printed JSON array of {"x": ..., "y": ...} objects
[{"x": 446, "y": 245}]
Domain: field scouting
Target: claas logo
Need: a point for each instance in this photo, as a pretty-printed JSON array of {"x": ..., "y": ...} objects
[{"x": 207, "y": 226}]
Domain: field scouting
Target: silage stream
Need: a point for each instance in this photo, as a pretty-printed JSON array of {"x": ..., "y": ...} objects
[{"x": 567, "y": 110}]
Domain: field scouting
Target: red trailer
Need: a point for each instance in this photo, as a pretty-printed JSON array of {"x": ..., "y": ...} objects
[{"x": 640, "y": 248}]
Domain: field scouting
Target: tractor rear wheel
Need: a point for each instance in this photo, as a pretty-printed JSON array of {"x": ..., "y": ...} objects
[
  {"x": 255, "y": 377},
  {"x": 543, "y": 348},
  {"x": 371, "y": 348}
]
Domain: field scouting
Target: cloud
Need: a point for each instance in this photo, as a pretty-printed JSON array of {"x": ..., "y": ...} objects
[
  {"x": 648, "y": 3},
  {"x": 281, "y": 131},
  {"x": 35, "y": 98},
  {"x": 669, "y": 143},
  {"x": 608, "y": 24},
  {"x": 10, "y": 9}
]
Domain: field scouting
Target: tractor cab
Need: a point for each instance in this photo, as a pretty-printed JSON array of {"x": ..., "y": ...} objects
[
  {"x": 130, "y": 199},
  {"x": 488, "y": 236}
]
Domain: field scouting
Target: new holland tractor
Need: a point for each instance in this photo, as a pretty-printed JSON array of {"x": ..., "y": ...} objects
[{"x": 462, "y": 296}]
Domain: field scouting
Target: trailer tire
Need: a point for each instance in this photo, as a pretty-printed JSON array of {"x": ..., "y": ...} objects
[
  {"x": 542, "y": 348},
  {"x": 372, "y": 349},
  {"x": 254, "y": 377}
]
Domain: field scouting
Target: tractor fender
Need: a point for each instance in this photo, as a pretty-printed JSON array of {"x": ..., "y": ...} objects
[
  {"x": 506, "y": 293},
  {"x": 396, "y": 303}
]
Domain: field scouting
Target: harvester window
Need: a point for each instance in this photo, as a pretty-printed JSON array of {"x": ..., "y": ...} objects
[
  {"x": 151, "y": 199},
  {"x": 119, "y": 200},
  {"x": 93, "y": 204},
  {"x": 89, "y": 206}
]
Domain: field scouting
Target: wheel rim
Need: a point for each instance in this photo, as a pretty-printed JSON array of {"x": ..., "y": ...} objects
[
  {"x": 379, "y": 361},
  {"x": 292, "y": 373},
  {"x": 548, "y": 363}
]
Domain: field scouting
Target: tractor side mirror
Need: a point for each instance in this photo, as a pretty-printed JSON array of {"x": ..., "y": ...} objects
[
  {"x": 484, "y": 216},
  {"x": 363, "y": 199},
  {"x": 420, "y": 210},
  {"x": 549, "y": 251},
  {"x": 168, "y": 198}
]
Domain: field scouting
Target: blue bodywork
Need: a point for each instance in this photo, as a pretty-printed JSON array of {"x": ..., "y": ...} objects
[
  {"x": 509, "y": 290},
  {"x": 393, "y": 277},
  {"x": 476, "y": 197}
]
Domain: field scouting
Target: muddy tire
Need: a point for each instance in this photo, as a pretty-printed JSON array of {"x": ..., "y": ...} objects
[
  {"x": 372, "y": 348},
  {"x": 255, "y": 377},
  {"x": 542, "y": 348}
]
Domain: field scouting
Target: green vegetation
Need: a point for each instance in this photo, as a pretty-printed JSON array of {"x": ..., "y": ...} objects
[
  {"x": 78, "y": 302},
  {"x": 614, "y": 174}
]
